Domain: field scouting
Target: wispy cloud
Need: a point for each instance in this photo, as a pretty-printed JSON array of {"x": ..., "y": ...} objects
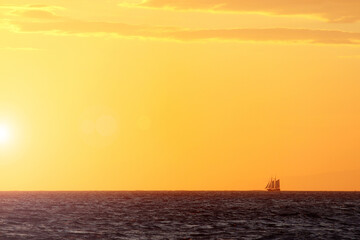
[
  {"x": 30, "y": 7},
  {"x": 52, "y": 24},
  {"x": 18, "y": 49},
  {"x": 331, "y": 10},
  {"x": 351, "y": 57},
  {"x": 34, "y": 14},
  {"x": 273, "y": 35},
  {"x": 36, "y": 11}
]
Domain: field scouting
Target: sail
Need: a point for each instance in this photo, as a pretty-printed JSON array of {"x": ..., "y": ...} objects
[
  {"x": 277, "y": 184},
  {"x": 268, "y": 185},
  {"x": 273, "y": 185}
]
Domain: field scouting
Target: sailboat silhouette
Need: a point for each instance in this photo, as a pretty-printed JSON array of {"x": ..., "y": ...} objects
[{"x": 273, "y": 185}]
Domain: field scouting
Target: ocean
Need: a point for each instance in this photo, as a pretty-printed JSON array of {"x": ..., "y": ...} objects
[{"x": 179, "y": 215}]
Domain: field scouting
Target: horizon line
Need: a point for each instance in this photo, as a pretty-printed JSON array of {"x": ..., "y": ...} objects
[{"x": 175, "y": 191}]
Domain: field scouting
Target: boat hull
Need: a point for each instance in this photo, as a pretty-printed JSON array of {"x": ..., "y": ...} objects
[{"x": 273, "y": 190}]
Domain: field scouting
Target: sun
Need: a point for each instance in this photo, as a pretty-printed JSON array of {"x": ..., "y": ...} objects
[{"x": 4, "y": 134}]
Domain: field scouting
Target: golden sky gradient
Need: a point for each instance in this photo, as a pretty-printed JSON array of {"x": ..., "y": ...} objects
[{"x": 179, "y": 95}]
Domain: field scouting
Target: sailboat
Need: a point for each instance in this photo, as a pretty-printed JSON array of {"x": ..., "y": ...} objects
[{"x": 273, "y": 185}]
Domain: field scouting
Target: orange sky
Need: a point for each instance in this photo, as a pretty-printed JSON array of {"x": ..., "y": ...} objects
[{"x": 179, "y": 95}]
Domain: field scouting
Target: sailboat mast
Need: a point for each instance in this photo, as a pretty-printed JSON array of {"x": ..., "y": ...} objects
[{"x": 275, "y": 182}]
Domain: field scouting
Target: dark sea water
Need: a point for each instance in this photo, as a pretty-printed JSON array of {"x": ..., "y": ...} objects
[{"x": 179, "y": 215}]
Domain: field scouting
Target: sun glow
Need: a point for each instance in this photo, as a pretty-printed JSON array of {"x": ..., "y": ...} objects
[{"x": 5, "y": 134}]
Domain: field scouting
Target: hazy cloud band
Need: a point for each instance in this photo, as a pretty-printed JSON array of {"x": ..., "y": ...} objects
[
  {"x": 331, "y": 10},
  {"x": 49, "y": 23}
]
